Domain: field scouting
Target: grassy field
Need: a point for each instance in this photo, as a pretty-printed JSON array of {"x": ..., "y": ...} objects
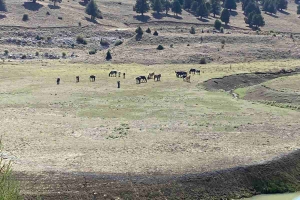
[{"x": 156, "y": 127}]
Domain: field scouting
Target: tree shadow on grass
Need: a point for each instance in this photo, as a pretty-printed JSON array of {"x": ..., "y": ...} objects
[
  {"x": 142, "y": 18},
  {"x": 90, "y": 20},
  {"x": 53, "y": 7},
  {"x": 233, "y": 13},
  {"x": 284, "y": 12},
  {"x": 271, "y": 15},
  {"x": 203, "y": 20},
  {"x": 162, "y": 15},
  {"x": 32, "y": 6}
]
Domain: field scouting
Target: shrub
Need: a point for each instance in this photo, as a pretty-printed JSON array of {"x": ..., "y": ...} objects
[
  {"x": 79, "y": 23},
  {"x": 223, "y": 41},
  {"x": 222, "y": 30},
  {"x": 160, "y": 47},
  {"x": 47, "y": 13},
  {"x": 108, "y": 55},
  {"x": 60, "y": 18},
  {"x": 203, "y": 61},
  {"x": 64, "y": 54},
  {"x": 171, "y": 45},
  {"x": 49, "y": 38},
  {"x": 192, "y": 31},
  {"x": 139, "y": 31},
  {"x": 155, "y": 33},
  {"x": 118, "y": 42},
  {"x": 25, "y": 17},
  {"x": 39, "y": 37},
  {"x": 23, "y": 57},
  {"x": 37, "y": 53},
  {"x": 104, "y": 42},
  {"x": 6, "y": 52},
  {"x": 218, "y": 24},
  {"x": 91, "y": 52},
  {"x": 81, "y": 40},
  {"x": 148, "y": 30}
]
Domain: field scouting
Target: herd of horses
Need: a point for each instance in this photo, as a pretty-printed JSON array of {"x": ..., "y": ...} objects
[{"x": 143, "y": 79}]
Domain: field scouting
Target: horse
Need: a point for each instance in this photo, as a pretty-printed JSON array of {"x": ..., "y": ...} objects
[
  {"x": 119, "y": 73},
  {"x": 198, "y": 71},
  {"x": 92, "y": 78},
  {"x": 180, "y": 74},
  {"x": 143, "y": 79},
  {"x": 112, "y": 73},
  {"x": 157, "y": 77},
  {"x": 138, "y": 80},
  {"x": 57, "y": 81},
  {"x": 124, "y": 75},
  {"x": 77, "y": 79},
  {"x": 151, "y": 75},
  {"x": 192, "y": 71},
  {"x": 187, "y": 79}
]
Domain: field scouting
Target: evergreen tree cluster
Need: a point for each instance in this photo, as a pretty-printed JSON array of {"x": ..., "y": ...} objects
[{"x": 271, "y": 6}]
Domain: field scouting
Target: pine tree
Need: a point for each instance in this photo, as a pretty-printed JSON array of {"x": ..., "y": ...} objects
[
  {"x": 272, "y": 8},
  {"x": 92, "y": 9},
  {"x": 194, "y": 6},
  {"x": 208, "y": 6},
  {"x": 141, "y": 6},
  {"x": 108, "y": 55},
  {"x": 266, "y": 6},
  {"x": 187, "y": 4},
  {"x": 176, "y": 7},
  {"x": 167, "y": 6},
  {"x": 252, "y": 7},
  {"x": 230, "y": 4},
  {"x": 258, "y": 20},
  {"x": 225, "y": 16},
  {"x": 157, "y": 6},
  {"x": 298, "y": 9},
  {"x": 3, "y": 6},
  {"x": 282, "y": 4},
  {"x": 218, "y": 24},
  {"x": 248, "y": 19},
  {"x": 215, "y": 7},
  {"x": 139, "y": 31},
  {"x": 202, "y": 10}
]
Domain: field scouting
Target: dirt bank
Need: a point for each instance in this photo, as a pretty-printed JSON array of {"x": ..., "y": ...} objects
[
  {"x": 279, "y": 175},
  {"x": 235, "y": 81}
]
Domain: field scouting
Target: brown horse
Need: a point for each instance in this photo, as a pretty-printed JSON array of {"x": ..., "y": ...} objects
[
  {"x": 198, "y": 71},
  {"x": 157, "y": 77},
  {"x": 151, "y": 75},
  {"x": 187, "y": 79}
]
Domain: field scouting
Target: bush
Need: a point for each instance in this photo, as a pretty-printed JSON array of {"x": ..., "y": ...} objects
[
  {"x": 81, "y": 40},
  {"x": 223, "y": 41},
  {"x": 222, "y": 30},
  {"x": 104, "y": 42},
  {"x": 91, "y": 52},
  {"x": 139, "y": 31},
  {"x": 218, "y": 24},
  {"x": 6, "y": 52},
  {"x": 39, "y": 37},
  {"x": 171, "y": 45},
  {"x": 192, "y": 31},
  {"x": 203, "y": 61},
  {"x": 60, "y": 18},
  {"x": 47, "y": 13},
  {"x": 49, "y": 38},
  {"x": 25, "y": 17},
  {"x": 108, "y": 55},
  {"x": 37, "y": 53},
  {"x": 118, "y": 42},
  {"x": 155, "y": 33},
  {"x": 64, "y": 54},
  {"x": 148, "y": 30},
  {"x": 160, "y": 47},
  {"x": 23, "y": 57},
  {"x": 79, "y": 23}
]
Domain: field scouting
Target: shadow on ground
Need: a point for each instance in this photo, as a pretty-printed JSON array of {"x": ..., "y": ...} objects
[{"x": 32, "y": 6}]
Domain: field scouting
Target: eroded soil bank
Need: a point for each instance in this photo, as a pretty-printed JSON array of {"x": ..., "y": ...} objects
[
  {"x": 235, "y": 81},
  {"x": 280, "y": 175}
]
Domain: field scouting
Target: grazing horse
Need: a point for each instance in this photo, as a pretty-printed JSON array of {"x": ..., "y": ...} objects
[
  {"x": 198, "y": 71},
  {"x": 57, "y": 81},
  {"x": 192, "y": 71},
  {"x": 157, "y": 77},
  {"x": 113, "y": 73},
  {"x": 119, "y": 73},
  {"x": 92, "y": 78},
  {"x": 77, "y": 79},
  {"x": 187, "y": 79},
  {"x": 124, "y": 75},
  {"x": 180, "y": 74},
  {"x": 143, "y": 79},
  {"x": 151, "y": 75}
]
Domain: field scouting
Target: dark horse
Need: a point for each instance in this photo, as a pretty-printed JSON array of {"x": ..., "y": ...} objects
[
  {"x": 113, "y": 73},
  {"x": 192, "y": 71},
  {"x": 180, "y": 74},
  {"x": 198, "y": 71},
  {"x": 77, "y": 79},
  {"x": 57, "y": 81},
  {"x": 157, "y": 77},
  {"x": 92, "y": 78},
  {"x": 141, "y": 79}
]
